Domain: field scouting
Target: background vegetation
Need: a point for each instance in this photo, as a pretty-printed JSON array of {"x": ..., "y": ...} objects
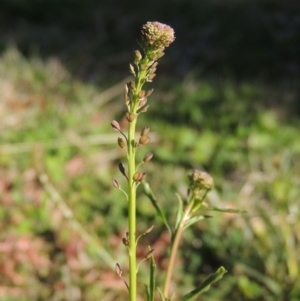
[{"x": 227, "y": 99}]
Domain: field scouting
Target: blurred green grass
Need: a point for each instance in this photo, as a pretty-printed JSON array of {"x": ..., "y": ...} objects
[{"x": 240, "y": 124}]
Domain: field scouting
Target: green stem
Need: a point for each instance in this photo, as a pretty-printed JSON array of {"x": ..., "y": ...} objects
[
  {"x": 132, "y": 211},
  {"x": 131, "y": 148},
  {"x": 174, "y": 249}
]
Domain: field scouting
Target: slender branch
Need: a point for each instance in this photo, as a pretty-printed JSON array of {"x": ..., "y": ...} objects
[{"x": 175, "y": 245}]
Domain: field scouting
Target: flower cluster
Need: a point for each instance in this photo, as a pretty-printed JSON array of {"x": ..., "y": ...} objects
[
  {"x": 158, "y": 35},
  {"x": 200, "y": 180}
]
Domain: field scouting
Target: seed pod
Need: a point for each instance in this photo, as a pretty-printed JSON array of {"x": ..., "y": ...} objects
[
  {"x": 145, "y": 109},
  {"x": 144, "y": 140},
  {"x": 137, "y": 56},
  {"x": 130, "y": 116},
  {"x": 148, "y": 157},
  {"x": 150, "y": 77},
  {"x": 131, "y": 85},
  {"x": 118, "y": 270},
  {"x": 137, "y": 176},
  {"x": 149, "y": 92},
  {"x": 116, "y": 184},
  {"x": 131, "y": 69},
  {"x": 143, "y": 101},
  {"x": 154, "y": 65},
  {"x": 125, "y": 241},
  {"x": 122, "y": 169},
  {"x": 149, "y": 229},
  {"x": 115, "y": 125},
  {"x": 143, "y": 177},
  {"x": 125, "y": 97},
  {"x": 121, "y": 142},
  {"x": 145, "y": 131},
  {"x": 142, "y": 94}
]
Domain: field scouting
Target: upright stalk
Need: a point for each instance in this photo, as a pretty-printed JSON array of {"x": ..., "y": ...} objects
[
  {"x": 155, "y": 38},
  {"x": 175, "y": 245},
  {"x": 132, "y": 211}
]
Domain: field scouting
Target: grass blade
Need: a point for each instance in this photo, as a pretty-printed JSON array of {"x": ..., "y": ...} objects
[{"x": 205, "y": 285}]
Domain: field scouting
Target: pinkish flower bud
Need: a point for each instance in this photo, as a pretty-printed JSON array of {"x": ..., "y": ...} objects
[{"x": 115, "y": 125}]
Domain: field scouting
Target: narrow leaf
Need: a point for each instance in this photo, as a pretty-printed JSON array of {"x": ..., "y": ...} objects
[
  {"x": 229, "y": 210},
  {"x": 180, "y": 211},
  {"x": 205, "y": 285},
  {"x": 162, "y": 298},
  {"x": 154, "y": 202},
  {"x": 152, "y": 278},
  {"x": 147, "y": 292},
  {"x": 194, "y": 220}
]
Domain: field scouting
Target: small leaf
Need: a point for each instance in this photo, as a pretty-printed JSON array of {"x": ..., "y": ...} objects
[
  {"x": 180, "y": 211},
  {"x": 152, "y": 279},
  {"x": 153, "y": 200},
  {"x": 147, "y": 292},
  {"x": 194, "y": 220},
  {"x": 162, "y": 298},
  {"x": 205, "y": 285}
]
